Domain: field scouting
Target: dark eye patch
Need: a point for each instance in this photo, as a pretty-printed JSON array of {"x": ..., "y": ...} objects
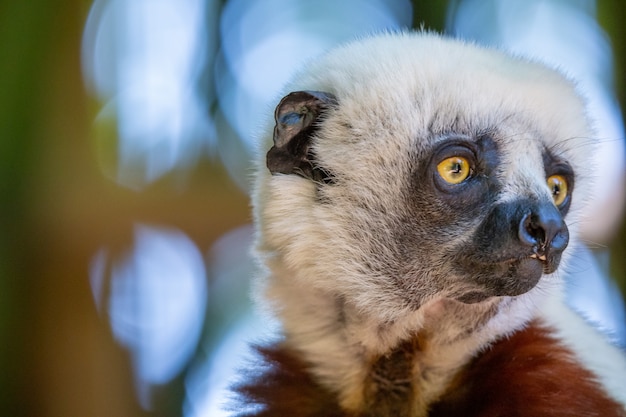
[
  {"x": 554, "y": 166},
  {"x": 480, "y": 185}
]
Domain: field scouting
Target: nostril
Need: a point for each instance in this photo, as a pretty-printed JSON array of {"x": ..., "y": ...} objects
[
  {"x": 527, "y": 232},
  {"x": 544, "y": 229}
]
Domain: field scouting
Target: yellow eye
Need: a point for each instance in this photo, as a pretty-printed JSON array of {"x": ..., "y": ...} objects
[
  {"x": 558, "y": 187},
  {"x": 454, "y": 170}
]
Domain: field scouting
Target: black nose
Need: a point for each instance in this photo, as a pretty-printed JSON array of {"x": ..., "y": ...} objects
[{"x": 543, "y": 229}]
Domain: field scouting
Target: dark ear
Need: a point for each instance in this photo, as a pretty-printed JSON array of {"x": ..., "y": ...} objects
[{"x": 297, "y": 117}]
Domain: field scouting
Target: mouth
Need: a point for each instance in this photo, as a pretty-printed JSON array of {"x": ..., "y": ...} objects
[
  {"x": 540, "y": 257},
  {"x": 527, "y": 272},
  {"x": 510, "y": 277}
]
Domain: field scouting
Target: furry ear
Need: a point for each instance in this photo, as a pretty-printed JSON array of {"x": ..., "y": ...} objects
[{"x": 297, "y": 118}]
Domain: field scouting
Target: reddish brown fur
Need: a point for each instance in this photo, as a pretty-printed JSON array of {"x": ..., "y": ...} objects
[
  {"x": 527, "y": 374},
  {"x": 287, "y": 389}
]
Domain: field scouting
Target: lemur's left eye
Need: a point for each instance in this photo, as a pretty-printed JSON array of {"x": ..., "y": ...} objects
[
  {"x": 454, "y": 170},
  {"x": 558, "y": 187}
]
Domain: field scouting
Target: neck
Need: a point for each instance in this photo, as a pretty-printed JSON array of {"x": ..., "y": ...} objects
[{"x": 380, "y": 366}]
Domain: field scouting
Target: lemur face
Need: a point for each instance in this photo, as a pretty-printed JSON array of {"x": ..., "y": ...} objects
[{"x": 451, "y": 180}]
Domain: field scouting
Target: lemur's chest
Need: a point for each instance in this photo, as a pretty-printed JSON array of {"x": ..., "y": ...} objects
[
  {"x": 527, "y": 374},
  {"x": 404, "y": 381}
]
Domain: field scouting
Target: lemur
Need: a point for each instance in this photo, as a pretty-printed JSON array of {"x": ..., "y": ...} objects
[{"x": 412, "y": 215}]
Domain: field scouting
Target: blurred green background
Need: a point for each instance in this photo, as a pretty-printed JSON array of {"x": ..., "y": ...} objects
[{"x": 58, "y": 356}]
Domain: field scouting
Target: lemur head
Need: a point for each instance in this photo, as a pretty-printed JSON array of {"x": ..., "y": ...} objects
[{"x": 406, "y": 168}]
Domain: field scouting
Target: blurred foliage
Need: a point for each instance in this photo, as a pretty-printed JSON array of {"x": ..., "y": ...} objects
[
  {"x": 611, "y": 15},
  {"x": 57, "y": 355},
  {"x": 23, "y": 60},
  {"x": 430, "y": 14}
]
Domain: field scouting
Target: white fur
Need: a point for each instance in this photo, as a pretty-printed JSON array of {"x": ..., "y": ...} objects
[
  {"x": 604, "y": 360},
  {"x": 398, "y": 93}
]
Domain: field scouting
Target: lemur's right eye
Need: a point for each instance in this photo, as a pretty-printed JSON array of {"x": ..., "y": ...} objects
[{"x": 454, "y": 170}]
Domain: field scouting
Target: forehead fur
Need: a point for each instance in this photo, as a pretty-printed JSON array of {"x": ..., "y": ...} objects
[{"x": 407, "y": 90}]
